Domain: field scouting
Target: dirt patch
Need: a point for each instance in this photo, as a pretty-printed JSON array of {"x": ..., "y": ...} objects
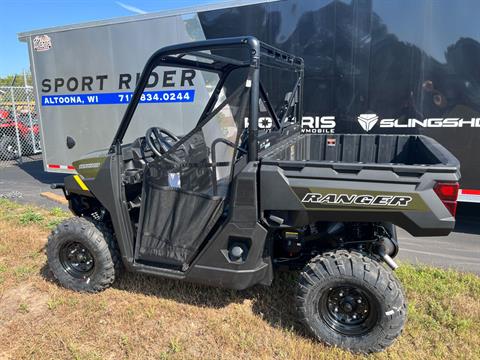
[{"x": 24, "y": 302}]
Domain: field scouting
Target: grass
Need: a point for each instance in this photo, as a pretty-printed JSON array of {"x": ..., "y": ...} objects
[
  {"x": 26, "y": 215},
  {"x": 23, "y": 308},
  {"x": 154, "y": 318},
  {"x": 30, "y": 217}
]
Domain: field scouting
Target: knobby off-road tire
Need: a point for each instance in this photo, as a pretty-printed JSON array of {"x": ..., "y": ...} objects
[
  {"x": 350, "y": 300},
  {"x": 83, "y": 255}
]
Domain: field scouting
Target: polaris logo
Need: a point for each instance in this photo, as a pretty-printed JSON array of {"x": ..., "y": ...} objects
[
  {"x": 318, "y": 125},
  {"x": 264, "y": 123},
  {"x": 368, "y": 122},
  {"x": 345, "y": 199}
]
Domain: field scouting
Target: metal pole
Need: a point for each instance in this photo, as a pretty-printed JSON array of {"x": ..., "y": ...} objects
[
  {"x": 254, "y": 98},
  {"x": 300, "y": 97},
  {"x": 19, "y": 147},
  {"x": 32, "y": 135}
]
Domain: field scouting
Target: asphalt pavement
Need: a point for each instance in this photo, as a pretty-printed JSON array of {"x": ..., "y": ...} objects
[
  {"x": 459, "y": 250},
  {"x": 25, "y": 182}
]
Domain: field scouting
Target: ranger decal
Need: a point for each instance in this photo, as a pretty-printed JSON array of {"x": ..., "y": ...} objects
[{"x": 347, "y": 199}]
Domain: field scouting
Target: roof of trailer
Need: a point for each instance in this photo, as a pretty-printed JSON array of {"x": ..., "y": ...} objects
[{"x": 154, "y": 15}]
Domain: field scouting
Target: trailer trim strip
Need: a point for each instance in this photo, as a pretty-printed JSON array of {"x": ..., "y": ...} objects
[
  {"x": 61, "y": 167},
  {"x": 469, "y": 195}
]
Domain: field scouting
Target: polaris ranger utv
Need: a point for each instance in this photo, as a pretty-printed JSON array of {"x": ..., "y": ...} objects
[{"x": 228, "y": 204}]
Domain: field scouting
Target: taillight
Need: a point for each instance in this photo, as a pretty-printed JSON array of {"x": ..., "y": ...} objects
[{"x": 448, "y": 193}]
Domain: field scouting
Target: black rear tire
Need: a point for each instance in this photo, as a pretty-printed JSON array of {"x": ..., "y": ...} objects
[
  {"x": 348, "y": 299},
  {"x": 83, "y": 256},
  {"x": 8, "y": 148}
]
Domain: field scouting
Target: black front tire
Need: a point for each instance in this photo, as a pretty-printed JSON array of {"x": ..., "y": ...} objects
[
  {"x": 83, "y": 256},
  {"x": 348, "y": 299}
]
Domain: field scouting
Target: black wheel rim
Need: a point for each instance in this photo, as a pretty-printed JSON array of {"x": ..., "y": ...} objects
[
  {"x": 77, "y": 260},
  {"x": 349, "y": 310}
]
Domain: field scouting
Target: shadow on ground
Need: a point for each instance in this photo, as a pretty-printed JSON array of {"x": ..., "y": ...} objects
[
  {"x": 36, "y": 171},
  {"x": 274, "y": 304},
  {"x": 468, "y": 218},
  {"x": 467, "y": 226}
]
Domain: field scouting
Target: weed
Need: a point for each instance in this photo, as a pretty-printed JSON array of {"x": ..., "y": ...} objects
[
  {"x": 54, "y": 302},
  {"x": 30, "y": 216},
  {"x": 23, "y": 271},
  {"x": 59, "y": 212},
  {"x": 174, "y": 346},
  {"x": 52, "y": 224},
  {"x": 23, "y": 308}
]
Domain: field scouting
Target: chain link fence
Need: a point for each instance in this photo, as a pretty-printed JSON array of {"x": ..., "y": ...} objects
[{"x": 19, "y": 129}]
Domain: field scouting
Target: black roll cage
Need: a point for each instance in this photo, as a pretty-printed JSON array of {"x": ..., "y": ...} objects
[{"x": 174, "y": 56}]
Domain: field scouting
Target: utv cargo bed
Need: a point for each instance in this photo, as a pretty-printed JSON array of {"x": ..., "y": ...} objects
[
  {"x": 409, "y": 151},
  {"x": 353, "y": 177}
]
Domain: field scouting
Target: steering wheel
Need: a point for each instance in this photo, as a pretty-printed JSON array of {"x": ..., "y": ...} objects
[{"x": 161, "y": 145}]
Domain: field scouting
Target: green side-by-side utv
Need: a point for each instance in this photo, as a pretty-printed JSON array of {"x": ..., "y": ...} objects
[{"x": 235, "y": 200}]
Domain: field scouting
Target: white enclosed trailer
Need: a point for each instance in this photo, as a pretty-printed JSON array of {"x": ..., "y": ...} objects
[
  {"x": 84, "y": 76},
  {"x": 410, "y": 66}
]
